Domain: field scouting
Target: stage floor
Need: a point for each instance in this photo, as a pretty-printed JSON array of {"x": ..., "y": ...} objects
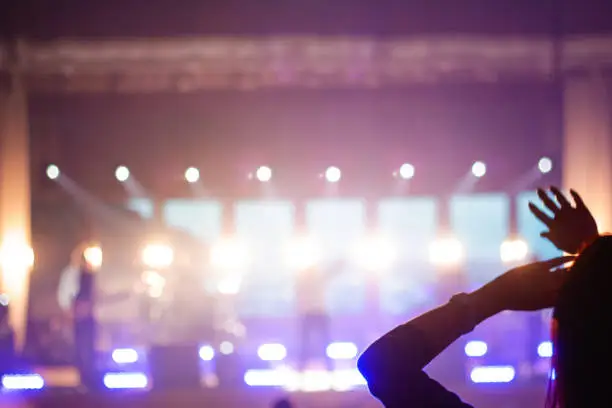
[
  {"x": 61, "y": 391},
  {"x": 247, "y": 398}
]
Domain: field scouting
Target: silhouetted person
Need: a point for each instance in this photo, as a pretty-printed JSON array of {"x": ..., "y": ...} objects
[
  {"x": 393, "y": 365},
  {"x": 77, "y": 291},
  {"x": 7, "y": 340},
  {"x": 85, "y": 328}
]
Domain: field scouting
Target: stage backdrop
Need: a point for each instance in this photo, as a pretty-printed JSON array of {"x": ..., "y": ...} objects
[{"x": 480, "y": 221}]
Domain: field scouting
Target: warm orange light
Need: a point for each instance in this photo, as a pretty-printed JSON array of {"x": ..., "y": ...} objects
[{"x": 16, "y": 254}]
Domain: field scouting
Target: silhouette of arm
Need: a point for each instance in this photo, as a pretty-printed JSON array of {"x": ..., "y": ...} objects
[{"x": 393, "y": 365}]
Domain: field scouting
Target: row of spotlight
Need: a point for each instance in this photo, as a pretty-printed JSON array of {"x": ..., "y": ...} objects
[
  {"x": 276, "y": 352},
  {"x": 265, "y": 352},
  {"x": 332, "y": 174},
  {"x": 478, "y": 348},
  {"x": 372, "y": 252}
]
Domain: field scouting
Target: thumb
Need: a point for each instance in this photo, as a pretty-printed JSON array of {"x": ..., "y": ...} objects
[{"x": 545, "y": 235}]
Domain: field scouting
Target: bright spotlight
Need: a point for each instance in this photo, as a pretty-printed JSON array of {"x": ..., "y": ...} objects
[
  {"x": 53, "y": 172},
  {"x": 476, "y": 349},
  {"x": 492, "y": 374},
  {"x": 375, "y": 253},
  {"x": 125, "y": 356},
  {"x": 192, "y": 175},
  {"x": 342, "y": 351},
  {"x": 157, "y": 255},
  {"x": 406, "y": 171},
  {"x": 545, "y": 349},
  {"x": 229, "y": 254},
  {"x": 22, "y": 382},
  {"x": 264, "y": 174},
  {"x": 545, "y": 165},
  {"x": 16, "y": 255},
  {"x": 302, "y": 253},
  {"x": 207, "y": 353},
  {"x": 272, "y": 352},
  {"x": 513, "y": 251},
  {"x": 93, "y": 256},
  {"x": 446, "y": 252},
  {"x": 479, "y": 169},
  {"x": 125, "y": 381},
  {"x": 333, "y": 174},
  {"x": 122, "y": 173}
]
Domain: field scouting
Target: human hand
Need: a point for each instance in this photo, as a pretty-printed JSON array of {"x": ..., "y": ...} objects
[
  {"x": 526, "y": 288},
  {"x": 571, "y": 226}
]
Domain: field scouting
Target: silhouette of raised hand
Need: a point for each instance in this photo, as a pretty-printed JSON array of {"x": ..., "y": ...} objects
[{"x": 571, "y": 226}]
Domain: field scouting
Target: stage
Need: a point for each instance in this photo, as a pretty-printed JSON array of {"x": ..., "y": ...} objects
[
  {"x": 61, "y": 391},
  {"x": 250, "y": 397}
]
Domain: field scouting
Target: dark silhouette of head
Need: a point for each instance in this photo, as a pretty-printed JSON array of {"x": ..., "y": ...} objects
[
  {"x": 582, "y": 331},
  {"x": 282, "y": 403}
]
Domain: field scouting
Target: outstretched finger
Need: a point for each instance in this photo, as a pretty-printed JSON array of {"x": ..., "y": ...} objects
[
  {"x": 555, "y": 262},
  {"x": 577, "y": 199},
  {"x": 560, "y": 197},
  {"x": 547, "y": 201},
  {"x": 540, "y": 215}
]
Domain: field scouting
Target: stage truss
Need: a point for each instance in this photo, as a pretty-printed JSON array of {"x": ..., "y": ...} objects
[{"x": 240, "y": 63}]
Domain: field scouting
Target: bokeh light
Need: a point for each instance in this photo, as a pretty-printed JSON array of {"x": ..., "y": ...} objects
[{"x": 122, "y": 174}]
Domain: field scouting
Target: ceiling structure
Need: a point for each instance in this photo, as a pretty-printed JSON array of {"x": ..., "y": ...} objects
[{"x": 195, "y": 64}]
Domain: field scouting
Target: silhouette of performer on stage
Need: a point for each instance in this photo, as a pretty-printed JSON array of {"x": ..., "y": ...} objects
[{"x": 77, "y": 295}]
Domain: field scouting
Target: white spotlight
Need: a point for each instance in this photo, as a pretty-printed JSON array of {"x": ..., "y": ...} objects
[
  {"x": 513, "y": 251},
  {"x": 122, "y": 173},
  {"x": 15, "y": 256},
  {"x": 545, "y": 165},
  {"x": 272, "y": 352},
  {"x": 406, "y": 171},
  {"x": 479, "y": 169},
  {"x": 192, "y": 175},
  {"x": 207, "y": 353},
  {"x": 53, "y": 172},
  {"x": 333, "y": 174},
  {"x": 94, "y": 257},
  {"x": 342, "y": 351},
  {"x": 476, "y": 349},
  {"x": 545, "y": 349},
  {"x": 264, "y": 174},
  {"x": 125, "y": 356}
]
